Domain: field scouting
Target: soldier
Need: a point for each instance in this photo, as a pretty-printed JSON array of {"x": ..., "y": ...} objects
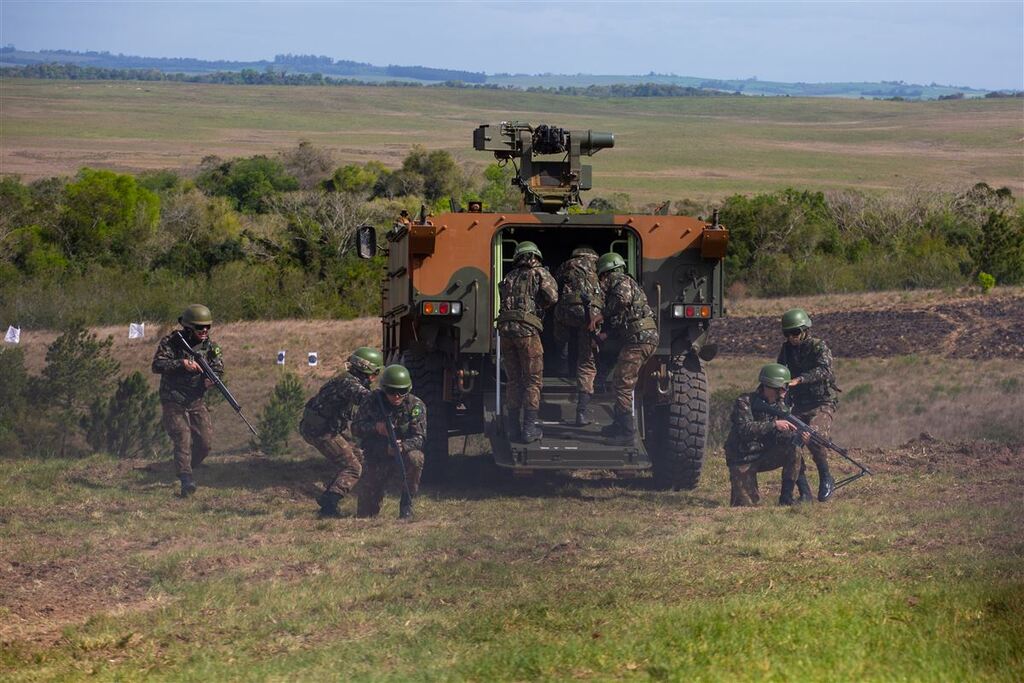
[
  {"x": 627, "y": 314},
  {"x": 182, "y": 387},
  {"x": 327, "y": 416},
  {"x": 408, "y": 416},
  {"x": 812, "y": 391},
  {"x": 526, "y": 291},
  {"x": 758, "y": 442},
  {"x": 578, "y": 311}
]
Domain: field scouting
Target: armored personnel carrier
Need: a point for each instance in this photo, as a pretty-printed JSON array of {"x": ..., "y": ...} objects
[{"x": 440, "y": 300}]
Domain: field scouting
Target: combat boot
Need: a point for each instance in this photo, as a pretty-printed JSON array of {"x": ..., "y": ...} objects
[
  {"x": 188, "y": 485},
  {"x": 512, "y": 430},
  {"x": 582, "y": 403},
  {"x": 621, "y": 432},
  {"x": 786, "y": 498},
  {"x": 531, "y": 428},
  {"x": 826, "y": 484},
  {"x": 805, "y": 489},
  {"x": 405, "y": 506},
  {"x": 328, "y": 502}
]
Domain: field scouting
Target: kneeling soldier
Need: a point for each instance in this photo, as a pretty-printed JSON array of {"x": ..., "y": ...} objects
[
  {"x": 393, "y": 400},
  {"x": 758, "y": 442},
  {"x": 327, "y": 416},
  {"x": 182, "y": 388}
]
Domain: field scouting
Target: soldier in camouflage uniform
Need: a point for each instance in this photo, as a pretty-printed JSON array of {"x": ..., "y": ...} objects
[
  {"x": 578, "y": 311},
  {"x": 182, "y": 388},
  {"x": 326, "y": 418},
  {"x": 627, "y": 314},
  {"x": 812, "y": 391},
  {"x": 759, "y": 442},
  {"x": 526, "y": 291},
  {"x": 408, "y": 416}
]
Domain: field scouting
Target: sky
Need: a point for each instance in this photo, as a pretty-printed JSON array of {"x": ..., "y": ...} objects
[{"x": 975, "y": 44}]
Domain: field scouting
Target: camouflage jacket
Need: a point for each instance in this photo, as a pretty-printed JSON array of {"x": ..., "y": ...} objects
[
  {"x": 811, "y": 361},
  {"x": 577, "y": 279},
  {"x": 177, "y": 384},
  {"x": 331, "y": 410},
  {"x": 409, "y": 419},
  {"x": 626, "y": 311},
  {"x": 525, "y": 292},
  {"x": 752, "y": 430}
]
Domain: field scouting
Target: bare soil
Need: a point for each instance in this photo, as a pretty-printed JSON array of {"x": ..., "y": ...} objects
[{"x": 979, "y": 327}]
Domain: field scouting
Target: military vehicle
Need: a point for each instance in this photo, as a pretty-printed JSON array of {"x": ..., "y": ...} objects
[{"x": 440, "y": 300}]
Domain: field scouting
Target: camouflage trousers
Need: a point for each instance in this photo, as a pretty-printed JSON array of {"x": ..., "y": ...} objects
[
  {"x": 343, "y": 454},
  {"x": 523, "y": 358},
  {"x": 582, "y": 341},
  {"x": 819, "y": 417},
  {"x": 191, "y": 433},
  {"x": 626, "y": 373},
  {"x": 743, "y": 478},
  {"x": 381, "y": 469}
]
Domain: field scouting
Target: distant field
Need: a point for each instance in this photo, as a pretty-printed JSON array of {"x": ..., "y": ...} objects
[{"x": 667, "y": 148}]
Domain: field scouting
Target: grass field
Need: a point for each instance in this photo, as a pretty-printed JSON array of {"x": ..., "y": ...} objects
[
  {"x": 916, "y": 573},
  {"x": 666, "y": 148}
]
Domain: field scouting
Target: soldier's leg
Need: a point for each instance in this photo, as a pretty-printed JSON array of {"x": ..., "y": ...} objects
[
  {"x": 532, "y": 358},
  {"x": 345, "y": 456},
  {"x": 821, "y": 419},
  {"x": 624, "y": 377},
  {"x": 202, "y": 432},
  {"x": 743, "y": 485},
  {"x": 370, "y": 493},
  {"x": 512, "y": 363},
  {"x": 586, "y": 362},
  {"x": 175, "y": 422},
  {"x": 784, "y": 456},
  {"x": 413, "y": 461}
]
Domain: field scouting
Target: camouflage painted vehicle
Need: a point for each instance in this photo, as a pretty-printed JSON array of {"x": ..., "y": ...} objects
[{"x": 440, "y": 300}]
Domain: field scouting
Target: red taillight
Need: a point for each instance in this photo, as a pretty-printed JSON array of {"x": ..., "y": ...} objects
[
  {"x": 443, "y": 308},
  {"x": 689, "y": 311}
]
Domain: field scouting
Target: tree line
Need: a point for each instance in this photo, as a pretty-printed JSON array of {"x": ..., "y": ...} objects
[{"x": 271, "y": 236}]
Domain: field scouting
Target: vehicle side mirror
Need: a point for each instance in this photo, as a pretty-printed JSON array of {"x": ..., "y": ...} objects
[{"x": 366, "y": 241}]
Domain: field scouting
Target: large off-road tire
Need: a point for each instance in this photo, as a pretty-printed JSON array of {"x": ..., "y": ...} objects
[
  {"x": 679, "y": 430},
  {"x": 427, "y": 373}
]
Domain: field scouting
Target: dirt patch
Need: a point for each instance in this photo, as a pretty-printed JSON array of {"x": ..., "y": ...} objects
[
  {"x": 976, "y": 328},
  {"x": 40, "y": 599},
  {"x": 928, "y": 455}
]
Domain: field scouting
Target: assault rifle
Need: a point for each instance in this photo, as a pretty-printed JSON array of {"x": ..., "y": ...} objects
[
  {"x": 393, "y": 440},
  {"x": 814, "y": 437},
  {"x": 209, "y": 374}
]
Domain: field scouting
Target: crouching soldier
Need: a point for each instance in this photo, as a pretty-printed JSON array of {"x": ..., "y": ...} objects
[
  {"x": 393, "y": 400},
  {"x": 327, "y": 417},
  {"x": 758, "y": 442},
  {"x": 182, "y": 388},
  {"x": 627, "y": 315},
  {"x": 812, "y": 390}
]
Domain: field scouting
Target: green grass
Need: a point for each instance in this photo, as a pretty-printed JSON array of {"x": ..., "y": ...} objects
[
  {"x": 498, "y": 580},
  {"x": 665, "y": 147}
]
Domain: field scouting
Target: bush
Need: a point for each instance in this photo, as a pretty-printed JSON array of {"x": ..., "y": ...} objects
[
  {"x": 719, "y": 414},
  {"x": 280, "y": 416},
  {"x": 127, "y": 424},
  {"x": 986, "y": 281}
]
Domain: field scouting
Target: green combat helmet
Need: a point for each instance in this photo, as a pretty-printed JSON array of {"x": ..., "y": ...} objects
[
  {"x": 584, "y": 251},
  {"x": 774, "y": 375},
  {"x": 196, "y": 314},
  {"x": 366, "y": 360},
  {"x": 527, "y": 248},
  {"x": 609, "y": 262},
  {"x": 795, "y": 319},
  {"x": 396, "y": 377}
]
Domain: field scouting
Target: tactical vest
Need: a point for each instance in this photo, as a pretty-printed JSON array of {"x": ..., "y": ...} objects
[
  {"x": 518, "y": 292},
  {"x": 637, "y": 317},
  {"x": 800, "y": 359}
]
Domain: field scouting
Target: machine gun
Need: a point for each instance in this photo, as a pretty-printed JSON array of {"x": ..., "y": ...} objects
[
  {"x": 547, "y": 186},
  {"x": 814, "y": 437},
  {"x": 209, "y": 374}
]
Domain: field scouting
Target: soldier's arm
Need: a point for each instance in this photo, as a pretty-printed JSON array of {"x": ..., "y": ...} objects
[
  {"x": 547, "y": 293},
  {"x": 412, "y": 439},
  {"x": 215, "y": 357},
  {"x": 164, "y": 359},
  {"x": 822, "y": 370},
  {"x": 614, "y": 304},
  {"x": 744, "y": 423},
  {"x": 781, "y": 360},
  {"x": 364, "y": 425}
]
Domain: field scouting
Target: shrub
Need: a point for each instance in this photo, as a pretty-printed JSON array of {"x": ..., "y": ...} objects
[
  {"x": 127, "y": 424},
  {"x": 719, "y": 415},
  {"x": 986, "y": 281},
  {"x": 280, "y": 416}
]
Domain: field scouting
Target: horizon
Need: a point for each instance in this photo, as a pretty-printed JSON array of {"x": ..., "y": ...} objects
[{"x": 974, "y": 45}]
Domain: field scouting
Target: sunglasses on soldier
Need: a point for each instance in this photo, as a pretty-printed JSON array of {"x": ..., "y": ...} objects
[
  {"x": 391, "y": 391},
  {"x": 793, "y": 333}
]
